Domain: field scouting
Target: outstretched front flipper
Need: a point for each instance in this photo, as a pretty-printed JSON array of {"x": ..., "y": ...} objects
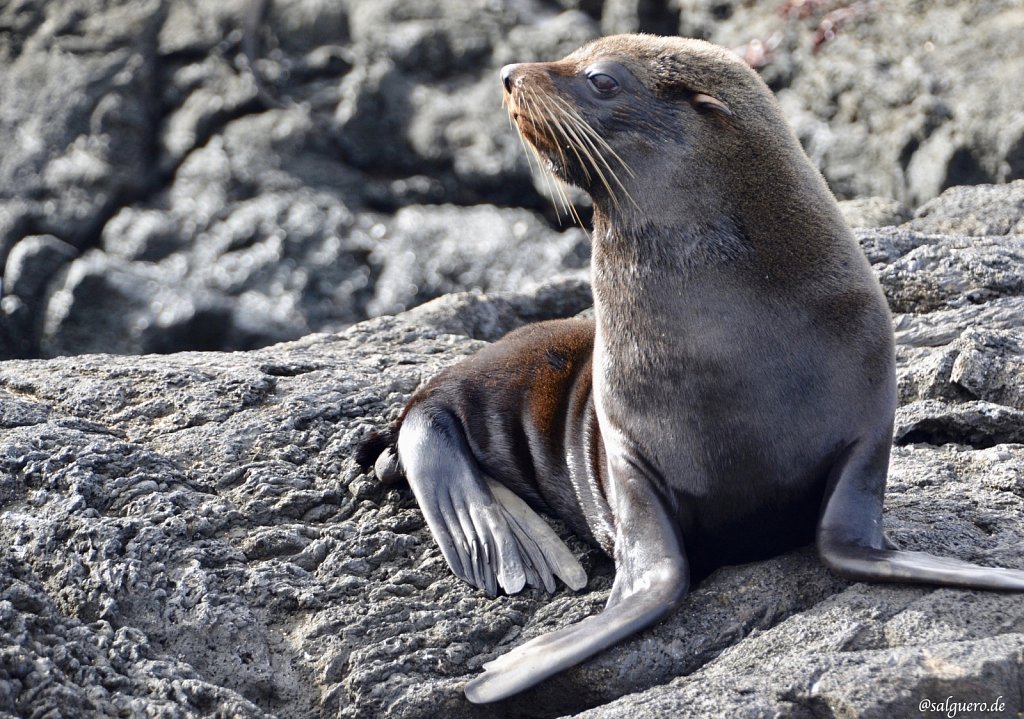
[
  {"x": 850, "y": 541},
  {"x": 488, "y": 535},
  {"x": 651, "y": 576}
]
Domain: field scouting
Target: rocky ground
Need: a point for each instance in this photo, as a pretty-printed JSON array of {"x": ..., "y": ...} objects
[
  {"x": 184, "y": 175},
  {"x": 188, "y": 535}
]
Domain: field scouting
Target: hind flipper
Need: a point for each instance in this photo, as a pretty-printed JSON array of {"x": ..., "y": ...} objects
[
  {"x": 896, "y": 565},
  {"x": 535, "y": 537},
  {"x": 651, "y": 575},
  {"x": 851, "y": 543},
  {"x": 488, "y": 535}
]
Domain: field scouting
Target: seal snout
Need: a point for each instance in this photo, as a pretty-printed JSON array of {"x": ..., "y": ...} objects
[{"x": 506, "y": 76}]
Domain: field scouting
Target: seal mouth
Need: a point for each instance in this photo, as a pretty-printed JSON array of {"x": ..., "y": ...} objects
[
  {"x": 525, "y": 117},
  {"x": 563, "y": 143},
  {"x": 537, "y": 137}
]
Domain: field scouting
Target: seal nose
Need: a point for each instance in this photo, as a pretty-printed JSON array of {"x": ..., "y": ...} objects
[{"x": 506, "y": 76}]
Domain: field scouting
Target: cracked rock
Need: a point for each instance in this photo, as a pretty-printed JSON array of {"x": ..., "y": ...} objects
[{"x": 197, "y": 520}]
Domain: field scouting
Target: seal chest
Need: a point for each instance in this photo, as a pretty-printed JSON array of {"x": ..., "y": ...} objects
[{"x": 734, "y": 396}]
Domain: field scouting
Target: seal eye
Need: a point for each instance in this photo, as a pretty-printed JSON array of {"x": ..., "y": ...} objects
[{"x": 603, "y": 83}]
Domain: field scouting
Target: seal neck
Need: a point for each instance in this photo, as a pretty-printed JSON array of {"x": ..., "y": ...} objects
[
  {"x": 650, "y": 283},
  {"x": 675, "y": 249}
]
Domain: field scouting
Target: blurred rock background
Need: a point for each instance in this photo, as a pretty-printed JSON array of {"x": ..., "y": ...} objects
[{"x": 179, "y": 174}]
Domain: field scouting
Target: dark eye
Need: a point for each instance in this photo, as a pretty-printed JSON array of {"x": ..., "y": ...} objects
[{"x": 604, "y": 83}]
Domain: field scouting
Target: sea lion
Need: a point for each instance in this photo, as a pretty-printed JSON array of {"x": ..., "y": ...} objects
[{"x": 734, "y": 396}]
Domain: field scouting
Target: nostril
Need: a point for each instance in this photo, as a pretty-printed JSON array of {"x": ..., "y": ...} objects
[{"x": 506, "y": 77}]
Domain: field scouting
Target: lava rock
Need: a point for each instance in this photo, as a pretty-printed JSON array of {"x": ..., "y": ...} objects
[
  {"x": 895, "y": 100},
  {"x": 190, "y": 534},
  {"x": 139, "y": 129},
  {"x": 427, "y": 252},
  {"x": 874, "y": 212},
  {"x": 979, "y": 211}
]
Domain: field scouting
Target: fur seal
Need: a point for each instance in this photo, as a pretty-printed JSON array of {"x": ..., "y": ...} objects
[{"x": 734, "y": 396}]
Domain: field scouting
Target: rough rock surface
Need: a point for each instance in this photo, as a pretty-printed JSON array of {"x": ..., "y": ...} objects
[
  {"x": 872, "y": 212},
  {"x": 223, "y": 175},
  {"x": 188, "y": 535},
  {"x": 980, "y": 210},
  {"x": 894, "y": 99}
]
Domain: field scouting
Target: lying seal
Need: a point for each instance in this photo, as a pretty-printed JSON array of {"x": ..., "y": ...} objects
[{"x": 734, "y": 396}]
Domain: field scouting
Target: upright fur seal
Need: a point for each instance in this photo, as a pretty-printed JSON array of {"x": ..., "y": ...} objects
[{"x": 734, "y": 396}]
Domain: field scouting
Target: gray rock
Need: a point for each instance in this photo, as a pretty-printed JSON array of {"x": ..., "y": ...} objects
[
  {"x": 493, "y": 316},
  {"x": 984, "y": 364},
  {"x": 147, "y": 235},
  {"x": 874, "y": 212},
  {"x": 375, "y": 101},
  {"x": 273, "y": 268},
  {"x": 929, "y": 354},
  {"x": 426, "y": 252},
  {"x": 140, "y": 129},
  {"x": 977, "y": 423},
  {"x": 30, "y": 266},
  {"x": 619, "y": 16},
  {"x": 984, "y": 210},
  {"x": 196, "y": 538},
  {"x": 897, "y": 100},
  {"x": 955, "y": 271},
  {"x": 15, "y": 223},
  {"x": 79, "y": 110},
  {"x": 943, "y": 326},
  {"x": 105, "y": 304},
  {"x": 545, "y": 36},
  {"x": 189, "y": 534},
  {"x": 205, "y": 97},
  {"x": 31, "y": 263},
  {"x": 284, "y": 265},
  {"x": 253, "y": 209},
  {"x": 887, "y": 244}
]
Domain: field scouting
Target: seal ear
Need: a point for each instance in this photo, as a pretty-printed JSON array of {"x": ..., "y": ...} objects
[{"x": 707, "y": 102}]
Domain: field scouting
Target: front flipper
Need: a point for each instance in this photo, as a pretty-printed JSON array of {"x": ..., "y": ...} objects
[
  {"x": 488, "y": 535},
  {"x": 651, "y": 576}
]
